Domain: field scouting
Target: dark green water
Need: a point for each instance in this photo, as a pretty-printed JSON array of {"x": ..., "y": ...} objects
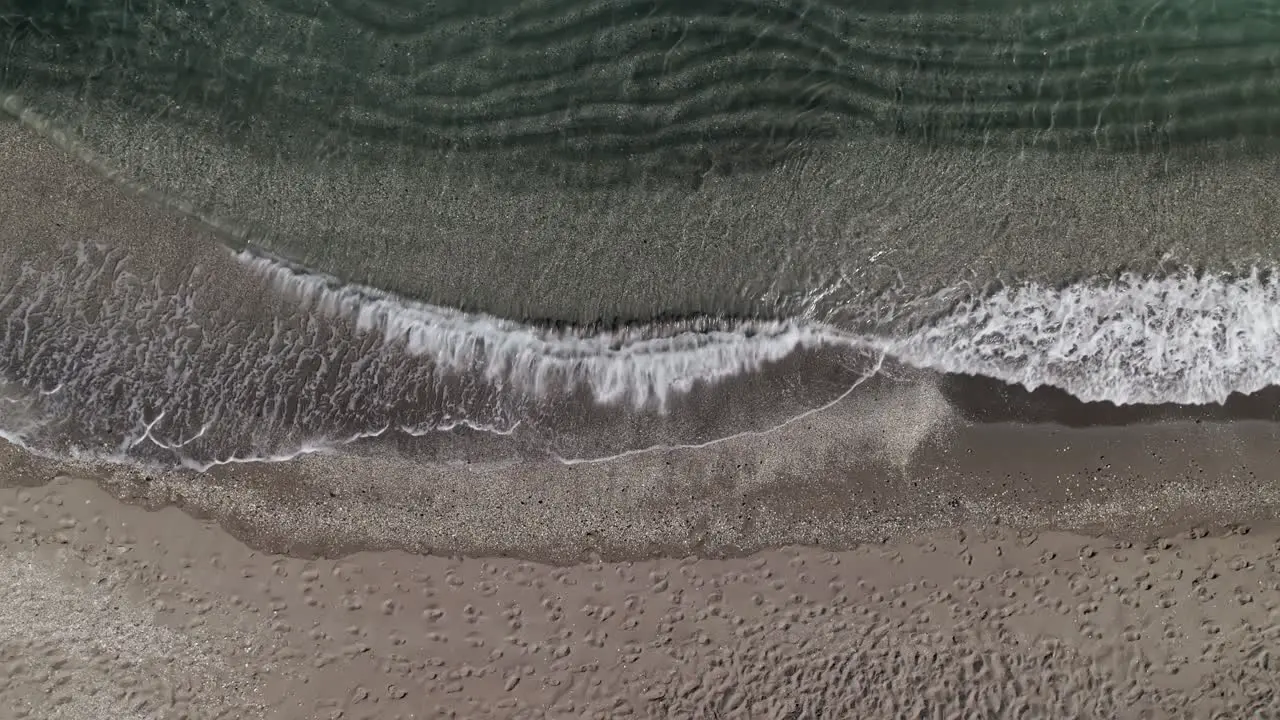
[{"x": 664, "y": 87}]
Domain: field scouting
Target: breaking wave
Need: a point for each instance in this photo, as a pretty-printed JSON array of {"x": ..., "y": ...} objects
[
  {"x": 96, "y": 359},
  {"x": 1187, "y": 338},
  {"x": 643, "y": 366}
]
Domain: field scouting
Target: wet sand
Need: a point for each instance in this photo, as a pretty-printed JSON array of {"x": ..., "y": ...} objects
[
  {"x": 113, "y": 611},
  {"x": 868, "y": 470}
]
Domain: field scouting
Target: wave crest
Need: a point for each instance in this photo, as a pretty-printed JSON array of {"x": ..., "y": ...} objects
[
  {"x": 645, "y": 366},
  {"x": 1188, "y": 338},
  {"x": 94, "y": 355}
]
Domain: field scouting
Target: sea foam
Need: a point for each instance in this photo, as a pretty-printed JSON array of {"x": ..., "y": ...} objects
[
  {"x": 1187, "y": 337},
  {"x": 125, "y": 367},
  {"x": 644, "y": 366}
]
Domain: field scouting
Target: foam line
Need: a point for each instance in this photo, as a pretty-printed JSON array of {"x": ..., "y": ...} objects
[
  {"x": 1188, "y": 338},
  {"x": 642, "y": 366},
  {"x": 130, "y": 375}
]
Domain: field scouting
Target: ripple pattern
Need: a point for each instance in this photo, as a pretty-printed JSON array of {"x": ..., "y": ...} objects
[{"x": 661, "y": 85}]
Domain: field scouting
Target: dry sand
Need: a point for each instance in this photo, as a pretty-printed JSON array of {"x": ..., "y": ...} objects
[{"x": 112, "y": 611}]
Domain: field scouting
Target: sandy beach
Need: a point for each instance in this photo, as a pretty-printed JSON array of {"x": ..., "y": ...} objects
[{"x": 114, "y": 611}]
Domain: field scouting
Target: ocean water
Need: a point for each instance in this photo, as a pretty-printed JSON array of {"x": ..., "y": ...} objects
[{"x": 594, "y": 228}]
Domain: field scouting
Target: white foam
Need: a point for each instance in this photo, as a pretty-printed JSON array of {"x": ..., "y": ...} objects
[
  {"x": 646, "y": 367},
  {"x": 1187, "y": 338},
  {"x": 20, "y": 418}
]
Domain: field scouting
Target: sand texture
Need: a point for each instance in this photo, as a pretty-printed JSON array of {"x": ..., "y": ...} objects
[{"x": 112, "y": 611}]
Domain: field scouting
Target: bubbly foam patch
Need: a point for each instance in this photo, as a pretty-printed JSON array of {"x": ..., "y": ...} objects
[{"x": 1187, "y": 338}]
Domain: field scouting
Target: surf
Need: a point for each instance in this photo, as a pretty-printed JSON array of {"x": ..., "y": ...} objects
[
  {"x": 145, "y": 375},
  {"x": 1189, "y": 338}
]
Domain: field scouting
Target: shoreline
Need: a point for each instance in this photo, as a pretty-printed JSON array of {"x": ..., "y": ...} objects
[{"x": 896, "y": 460}]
